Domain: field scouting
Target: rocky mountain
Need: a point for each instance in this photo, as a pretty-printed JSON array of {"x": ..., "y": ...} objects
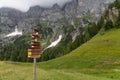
[{"x": 53, "y": 21}]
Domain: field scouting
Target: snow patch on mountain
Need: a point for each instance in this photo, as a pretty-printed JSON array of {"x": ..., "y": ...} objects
[
  {"x": 15, "y": 33},
  {"x": 54, "y": 43}
]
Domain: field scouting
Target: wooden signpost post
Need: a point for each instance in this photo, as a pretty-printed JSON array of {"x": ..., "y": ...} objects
[{"x": 35, "y": 50}]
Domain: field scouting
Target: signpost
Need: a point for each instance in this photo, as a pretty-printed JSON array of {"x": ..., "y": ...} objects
[{"x": 35, "y": 50}]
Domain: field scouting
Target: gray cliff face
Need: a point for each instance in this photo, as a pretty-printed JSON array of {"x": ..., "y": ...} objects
[
  {"x": 34, "y": 12},
  {"x": 82, "y": 8},
  {"x": 52, "y": 14},
  {"x": 54, "y": 18}
]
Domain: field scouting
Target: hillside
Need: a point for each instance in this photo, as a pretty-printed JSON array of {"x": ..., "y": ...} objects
[
  {"x": 104, "y": 46},
  {"x": 97, "y": 59},
  {"x": 99, "y": 55}
]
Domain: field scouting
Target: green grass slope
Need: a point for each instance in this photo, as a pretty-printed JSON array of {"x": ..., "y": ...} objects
[
  {"x": 101, "y": 52},
  {"x": 100, "y": 55},
  {"x": 97, "y": 59}
]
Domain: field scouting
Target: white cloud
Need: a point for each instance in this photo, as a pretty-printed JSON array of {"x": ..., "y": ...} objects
[{"x": 24, "y": 5}]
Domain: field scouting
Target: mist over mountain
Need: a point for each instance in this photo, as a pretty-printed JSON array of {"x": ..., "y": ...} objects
[{"x": 24, "y": 5}]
